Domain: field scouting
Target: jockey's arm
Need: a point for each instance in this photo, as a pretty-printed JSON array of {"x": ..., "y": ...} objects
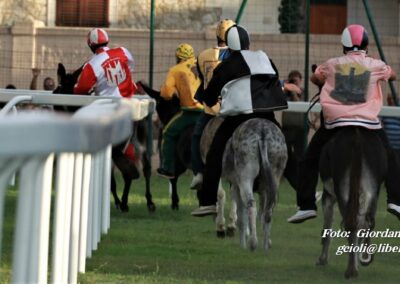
[
  {"x": 86, "y": 81},
  {"x": 393, "y": 75},
  {"x": 168, "y": 90}
]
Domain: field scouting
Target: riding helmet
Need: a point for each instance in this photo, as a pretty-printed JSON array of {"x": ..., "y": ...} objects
[
  {"x": 222, "y": 27},
  {"x": 184, "y": 51},
  {"x": 237, "y": 38},
  {"x": 97, "y": 37},
  {"x": 355, "y": 37}
]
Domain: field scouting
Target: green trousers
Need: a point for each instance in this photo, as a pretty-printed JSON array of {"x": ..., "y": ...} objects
[{"x": 171, "y": 133}]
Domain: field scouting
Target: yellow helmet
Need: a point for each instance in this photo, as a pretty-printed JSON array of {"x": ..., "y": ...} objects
[
  {"x": 222, "y": 27},
  {"x": 184, "y": 51}
]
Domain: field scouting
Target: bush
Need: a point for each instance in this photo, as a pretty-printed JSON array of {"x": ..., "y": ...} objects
[{"x": 290, "y": 18}]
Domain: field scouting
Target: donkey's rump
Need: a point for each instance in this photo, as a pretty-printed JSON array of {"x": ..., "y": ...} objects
[
  {"x": 345, "y": 147},
  {"x": 250, "y": 140},
  {"x": 254, "y": 159},
  {"x": 353, "y": 165}
]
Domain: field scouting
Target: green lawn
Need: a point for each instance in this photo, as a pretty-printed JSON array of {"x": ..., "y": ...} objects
[{"x": 173, "y": 247}]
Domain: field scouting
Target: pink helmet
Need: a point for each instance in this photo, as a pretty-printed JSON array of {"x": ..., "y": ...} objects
[
  {"x": 355, "y": 37},
  {"x": 97, "y": 37}
]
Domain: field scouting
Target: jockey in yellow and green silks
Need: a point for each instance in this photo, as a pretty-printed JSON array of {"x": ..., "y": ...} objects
[{"x": 182, "y": 81}]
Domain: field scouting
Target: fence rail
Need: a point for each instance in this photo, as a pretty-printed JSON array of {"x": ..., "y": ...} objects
[{"x": 81, "y": 145}]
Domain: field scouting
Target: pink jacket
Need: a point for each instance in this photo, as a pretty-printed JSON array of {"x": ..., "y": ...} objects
[{"x": 352, "y": 93}]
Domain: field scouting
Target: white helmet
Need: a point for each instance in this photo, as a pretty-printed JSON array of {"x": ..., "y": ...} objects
[
  {"x": 97, "y": 37},
  {"x": 237, "y": 38}
]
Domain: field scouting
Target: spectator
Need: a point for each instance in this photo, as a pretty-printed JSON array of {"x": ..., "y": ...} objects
[{"x": 48, "y": 82}]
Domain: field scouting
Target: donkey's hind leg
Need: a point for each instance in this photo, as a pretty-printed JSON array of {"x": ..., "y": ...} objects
[
  {"x": 242, "y": 216},
  {"x": 328, "y": 201},
  {"x": 266, "y": 219},
  {"x": 174, "y": 193},
  {"x": 124, "y": 199},
  {"x": 231, "y": 227},
  {"x": 220, "y": 220},
  {"x": 147, "y": 174},
  {"x": 246, "y": 193},
  {"x": 117, "y": 202}
]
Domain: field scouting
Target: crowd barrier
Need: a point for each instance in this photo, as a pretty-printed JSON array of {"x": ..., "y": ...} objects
[{"x": 78, "y": 148}]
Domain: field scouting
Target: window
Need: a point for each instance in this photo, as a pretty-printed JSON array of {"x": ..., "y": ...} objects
[
  {"x": 328, "y": 16},
  {"x": 83, "y": 13}
]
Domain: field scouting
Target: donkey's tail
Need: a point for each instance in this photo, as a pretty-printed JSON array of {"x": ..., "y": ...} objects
[
  {"x": 267, "y": 175},
  {"x": 355, "y": 182}
]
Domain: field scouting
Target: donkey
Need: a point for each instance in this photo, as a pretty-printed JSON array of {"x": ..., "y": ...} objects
[
  {"x": 254, "y": 160},
  {"x": 166, "y": 109},
  {"x": 122, "y": 162},
  {"x": 353, "y": 165}
]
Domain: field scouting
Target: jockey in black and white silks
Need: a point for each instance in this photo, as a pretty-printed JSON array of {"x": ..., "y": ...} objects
[{"x": 249, "y": 87}]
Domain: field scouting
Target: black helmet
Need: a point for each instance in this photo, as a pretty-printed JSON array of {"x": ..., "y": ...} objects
[{"x": 237, "y": 38}]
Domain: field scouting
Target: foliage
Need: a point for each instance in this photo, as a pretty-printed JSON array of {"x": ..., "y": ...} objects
[{"x": 290, "y": 18}]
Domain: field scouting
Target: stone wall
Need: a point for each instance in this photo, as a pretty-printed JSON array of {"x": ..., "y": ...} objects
[{"x": 25, "y": 46}]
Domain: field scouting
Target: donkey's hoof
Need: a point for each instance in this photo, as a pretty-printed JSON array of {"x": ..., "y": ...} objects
[
  {"x": 365, "y": 258},
  {"x": 175, "y": 207},
  {"x": 221, "y": 234},
  {"x": 124, "y": 207},
  {"x": 117, "y": 206},
  {"x": 351, "y": 273},
  {"x": 151, "y": 207},
  {"x": 230, "y": 232},
  {"x": 321, "y": 262}
]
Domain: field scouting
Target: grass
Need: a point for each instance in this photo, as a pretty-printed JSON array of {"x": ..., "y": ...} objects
[{"x": 173, "y": 247}]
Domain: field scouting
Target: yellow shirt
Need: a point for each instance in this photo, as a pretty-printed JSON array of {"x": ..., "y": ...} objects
[
  {"x": 208, "y": 60},
  {"x": 182, "y": 81}
]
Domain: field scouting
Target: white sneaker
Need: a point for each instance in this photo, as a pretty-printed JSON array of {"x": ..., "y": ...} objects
[
  {"x": 318, "y": 196},
  {"x": 204, "y": 211},
  {"x": 394, "y": 209},
  {"x": 302, "y": 215},
  {"x": 197, "y": 181}
]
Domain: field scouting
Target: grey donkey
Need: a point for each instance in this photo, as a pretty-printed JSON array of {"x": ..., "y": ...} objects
[{"x": 254, "y": 160}]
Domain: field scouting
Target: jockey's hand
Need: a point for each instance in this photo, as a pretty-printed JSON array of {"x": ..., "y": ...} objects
[
  {"x": 292, "y": 88},
  {"x": 36, "y": 72}
]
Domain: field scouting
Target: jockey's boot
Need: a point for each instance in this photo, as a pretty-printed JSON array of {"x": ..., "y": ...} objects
[
  {"x": 394, "y": 209},
  {"x": 302, "y": 215},
  {"x": 197, "y": 181},
  {"x": 205, "y": 211},
  {"x": 163, "y": 173}
]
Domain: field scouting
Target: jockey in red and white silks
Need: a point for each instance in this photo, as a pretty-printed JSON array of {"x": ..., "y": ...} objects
[{"x": 108, "y": 71}]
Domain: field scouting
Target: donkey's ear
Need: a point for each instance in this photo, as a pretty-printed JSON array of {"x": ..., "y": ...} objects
[{"x": 61, "y": 72}]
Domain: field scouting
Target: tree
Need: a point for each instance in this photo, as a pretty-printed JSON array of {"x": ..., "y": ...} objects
[{"x": 290, "y": 18}]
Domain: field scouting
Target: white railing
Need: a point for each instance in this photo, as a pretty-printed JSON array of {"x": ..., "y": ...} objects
[
  {"x": 81, "y": 146},
  {"x": 303, "y": 107}
]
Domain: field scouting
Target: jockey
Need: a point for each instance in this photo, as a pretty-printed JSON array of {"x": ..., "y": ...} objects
[
  {"x": 182, "y": 81},
  {"x": 206, "y": 63},
  {"x": 248, "y": 83},
  {"x": 351, "y": 95},
  {"x": 108, "y": 71}
]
